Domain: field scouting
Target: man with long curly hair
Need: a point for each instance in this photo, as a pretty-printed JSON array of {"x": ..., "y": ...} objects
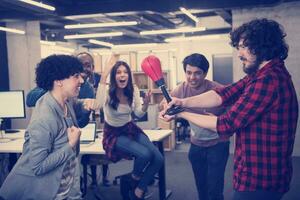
[{"x": 263, "y": 112}]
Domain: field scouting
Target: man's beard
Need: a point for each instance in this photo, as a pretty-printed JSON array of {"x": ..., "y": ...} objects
[{"x": 252, "y": 68}]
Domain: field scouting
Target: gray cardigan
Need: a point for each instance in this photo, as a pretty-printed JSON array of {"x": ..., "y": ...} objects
[{"x": 37, "y": 173}]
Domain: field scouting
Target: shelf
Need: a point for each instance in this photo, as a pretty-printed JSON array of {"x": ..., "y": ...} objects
[
  {"x": 157, "y": 98},
  {"x": 143, "y": 82}
]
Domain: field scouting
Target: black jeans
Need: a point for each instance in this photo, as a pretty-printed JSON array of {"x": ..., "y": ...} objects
[{"x": 209, "y": 165}]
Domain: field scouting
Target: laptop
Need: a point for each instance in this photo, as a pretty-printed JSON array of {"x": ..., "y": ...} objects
[{"x": 88, "y": 133}]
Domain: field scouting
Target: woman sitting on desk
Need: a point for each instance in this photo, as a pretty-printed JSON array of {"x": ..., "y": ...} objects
[{"x": 122, "y": 137}]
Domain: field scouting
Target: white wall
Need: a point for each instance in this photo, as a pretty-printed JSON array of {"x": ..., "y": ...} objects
[
  {"x": 60, "y": 48},
  {"x": 288, "y": 15}
]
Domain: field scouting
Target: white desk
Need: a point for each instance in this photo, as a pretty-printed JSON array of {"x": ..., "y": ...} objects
[
  {"x": 156, "y": 136},
  {"x": 17, "y": 140}
]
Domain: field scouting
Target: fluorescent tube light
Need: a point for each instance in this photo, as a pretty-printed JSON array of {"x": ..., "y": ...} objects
[
  {"x": 93, "y": 35},
  {"x": 12, "y": 30},
  {"x": 178, "y": 30},
  {"x": 49, "y": 43},
  {"x": 189, "y": 14},
  {"x": 84, "y": 16},
  {"x": 107, "y": 44},
  {"x": 38, "y": 4},
  {"x": 157, "y": 51},
  {"x": 134, "y": 45},
  {"x": 182, "y": 39},
  {"x": 97, "y": 25}
]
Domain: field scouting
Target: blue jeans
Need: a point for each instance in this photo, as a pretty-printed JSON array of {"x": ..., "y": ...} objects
[
  {"x": 209, "y": 165},
  {"x": 148, "y": 159},
  {"x": 257, "y": 195}
]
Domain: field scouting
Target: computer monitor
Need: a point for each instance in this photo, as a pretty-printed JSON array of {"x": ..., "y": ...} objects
[
  {"x": 88, "y": 133},
  {"x": 12, "y": 105}
]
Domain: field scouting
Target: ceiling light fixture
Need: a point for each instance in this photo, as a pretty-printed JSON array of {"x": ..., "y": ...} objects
[
  {"x": 99, "y": 25},
  {"x": 38, "y": 4},
  {"x": 93, "y": 35},
  {"x": 189, "y": 14},
  {"x": 183, "y": 39},
  {"x": 84, "y": 16},
  {"x": 178, "y": 30},
  {"x": 49, "y": 43},
  {"x": 107, "y": 44},
  {"x": 134, "y": 45},
  {"x": 12, "y": 30}
]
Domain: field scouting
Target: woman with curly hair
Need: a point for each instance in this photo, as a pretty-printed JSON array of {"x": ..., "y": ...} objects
[
  {"x": 122, "y": 137},
  {"x": 51, "y": 138},
  {"x": 263, "y": 112}
]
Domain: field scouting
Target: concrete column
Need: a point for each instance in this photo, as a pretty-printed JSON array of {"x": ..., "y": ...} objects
[{"x": 24, "y": 52}]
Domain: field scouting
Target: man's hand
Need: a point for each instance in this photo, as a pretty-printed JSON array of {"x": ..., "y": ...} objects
[
  {"x": 88, "y": 104},
  {"x": 166, "y": 118},
  {"x": 176, "y": 102},
  {"x": 163, "y": 105},
  {"x": 73, "y": 135}
]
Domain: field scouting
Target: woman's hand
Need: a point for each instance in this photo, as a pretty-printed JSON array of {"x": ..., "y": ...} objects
[
  {"x": 110, "y": 63},
  {"x": 146, "y": 100},
  {"x": 147, "y": 97}
]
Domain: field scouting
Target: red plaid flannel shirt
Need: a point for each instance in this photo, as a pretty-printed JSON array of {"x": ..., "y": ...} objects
[{"x": 264, "y": 116}]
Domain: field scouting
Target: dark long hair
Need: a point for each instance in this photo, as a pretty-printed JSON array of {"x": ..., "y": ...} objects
[
  {"x": 263, "y": 37},
  {"x": 128, "y": 90}
]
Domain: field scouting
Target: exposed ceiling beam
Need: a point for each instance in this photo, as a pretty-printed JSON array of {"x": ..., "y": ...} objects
[
  {"x": 226, "y": 15},
  {"x": 92, "y": 7},
  {"x": 211, "y": 31},
  {"x": 159, "y": 20},
  {"x": 18, "y": 4}
]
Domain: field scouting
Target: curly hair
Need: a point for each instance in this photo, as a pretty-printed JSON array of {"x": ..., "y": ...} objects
[
  {"x": 56, "y": 67},
  {"x": 263, "y": 37},
  {"x": 197, "y": 60},
  {"x": 128, "y": 90}
]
